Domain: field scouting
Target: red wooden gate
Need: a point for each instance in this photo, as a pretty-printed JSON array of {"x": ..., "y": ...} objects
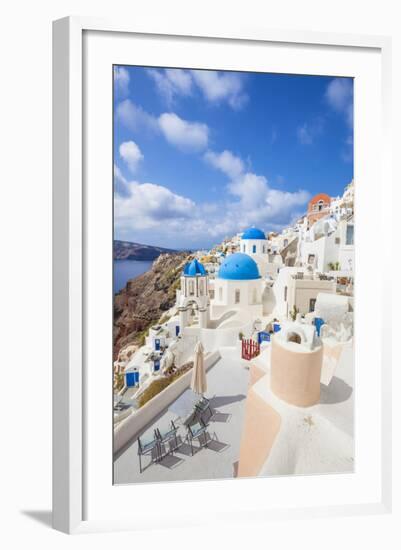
[{"x": 250, "y": 349}]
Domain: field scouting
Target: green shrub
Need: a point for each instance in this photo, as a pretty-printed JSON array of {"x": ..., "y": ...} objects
[
  {"x": 164, "y": 319},
  {"x": 294, "y": 312},
  {"x": 160, "y": 384},
  {"x": 118, "y": 381}
]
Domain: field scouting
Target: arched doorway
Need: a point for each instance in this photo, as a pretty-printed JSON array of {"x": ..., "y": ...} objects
[{"x": 294, "y": 337}]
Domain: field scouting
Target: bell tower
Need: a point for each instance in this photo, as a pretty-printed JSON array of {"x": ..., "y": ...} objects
[{"x": 194, "y": 294}]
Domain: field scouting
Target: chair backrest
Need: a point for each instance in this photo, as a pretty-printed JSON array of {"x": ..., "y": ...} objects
[
  {"x": 158, "y": 434},
  {"x": 140, "y": 444},
  {"x": 189, "y": 418},
  {"x": 197, "y": 422}
]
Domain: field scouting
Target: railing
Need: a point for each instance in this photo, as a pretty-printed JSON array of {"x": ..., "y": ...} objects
[{"x": 250, "y": 349}]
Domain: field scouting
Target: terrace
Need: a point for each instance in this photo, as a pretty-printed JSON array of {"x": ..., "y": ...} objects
[{"x": 227, "y": 387}]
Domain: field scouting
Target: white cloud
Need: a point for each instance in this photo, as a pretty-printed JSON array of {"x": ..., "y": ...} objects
[
  {"x": 187, "y": 136},
  {"x": 120, "y": 183},
  {"x": 251, "y": 199},
  {"x": 147, "y": 205},
  {"x": 135, "y": 118},
  {"x": 131, "y": 154},
  {"x": 261, "y": 204},
  {"x": 308, "y": 132},
  {"x": 304, "y": 135},
  {"x": 340, "y": 97},
  {"x": 226, "y": 161},
  {"x": 221, "y": 86},
  {"x": 121, "y": 81},
  {"x": 172, "y": 82},
  {"x": 216, "y": 86},
  {"x": 156, "y": 214},
  {"x": 348, "y": 151}
]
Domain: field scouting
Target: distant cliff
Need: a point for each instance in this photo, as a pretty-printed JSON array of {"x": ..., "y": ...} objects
[
  {"x": 124, "y": 250},
  {"x": 145, "y": 299}
]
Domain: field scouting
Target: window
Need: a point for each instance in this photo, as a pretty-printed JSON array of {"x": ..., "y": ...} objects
[
  {"x": 254, "y": 248},
  {"x": 243, "y": 248},
  {"x": 285, "y": 242},
  {"x": 220, "y": 294},
  {"x": 254, "y": 296},
  {"x": 312, "y": 303},
  {"x": 311, "y": 259},
  {"x": 201, "y": 288},
  {"x": 264, "y": 249},
  {"x": 350, "y": 235},
  {"x": 237, "y": 296},
  {"x": 191, "y": 288},
  {"x": 337, "y": 240},
  {"x": 285, "y": 293},
  {"x": 320, "y": 205}
]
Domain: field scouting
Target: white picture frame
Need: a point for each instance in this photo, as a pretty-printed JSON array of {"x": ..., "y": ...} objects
[{"x": 70, "y": 426}]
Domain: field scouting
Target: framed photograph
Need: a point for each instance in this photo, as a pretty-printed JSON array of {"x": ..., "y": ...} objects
[{"x": 218, "y": 343}]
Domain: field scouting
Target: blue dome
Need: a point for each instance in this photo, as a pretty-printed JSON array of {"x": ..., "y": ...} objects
[
  {"x": 253, "y": 233},
  {"x": 239, "y": 267},
  {"x": 194, "y": 268}
]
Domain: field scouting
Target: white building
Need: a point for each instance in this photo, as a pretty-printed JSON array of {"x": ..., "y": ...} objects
[
  {"x": 328, "y": 246},
  {"x": 298, "y": 287}
]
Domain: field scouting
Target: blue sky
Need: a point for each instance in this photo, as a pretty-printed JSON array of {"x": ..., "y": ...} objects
[{"x": 201, "y": 155}]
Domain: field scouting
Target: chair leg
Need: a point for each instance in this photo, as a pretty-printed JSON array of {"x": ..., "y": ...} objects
[{"x": 159, "y": 452}]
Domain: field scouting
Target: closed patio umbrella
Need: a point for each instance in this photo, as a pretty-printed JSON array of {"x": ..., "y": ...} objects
[{"x": 198, "y": 381}]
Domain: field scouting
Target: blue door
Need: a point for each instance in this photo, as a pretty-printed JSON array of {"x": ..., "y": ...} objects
[
  {"x": 276, "y": 327},
  {"x": 254, "y": 248},
  {"x": 156, "y": 365},
  {"x": 263, "y": 337},
  {"x": 157, "y": 345},
  {"x": 177, "y": 330},
  {"x": 130, "y": 379},
  {"x": 318, "y": 324}
]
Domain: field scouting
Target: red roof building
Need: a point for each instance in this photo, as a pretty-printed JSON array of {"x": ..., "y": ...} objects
[{"x": 318, "y": 207}]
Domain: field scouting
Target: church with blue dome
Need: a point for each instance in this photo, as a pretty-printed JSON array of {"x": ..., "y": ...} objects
[
  {"x": 193, "y": 297},
  {"x": 194, "y": 268},
  {"x": 253, "y": 241},
  {"x": 253, "y": 233},
  {"x": 255, "y": 244},
  {"x": 239, "y": 267},
  {"x": 238, "y": 285}
]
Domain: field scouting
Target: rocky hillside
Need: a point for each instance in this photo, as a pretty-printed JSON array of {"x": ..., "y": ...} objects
[
  {"x": 144, "y": 300},
  {"x": 124, "y": 250}
]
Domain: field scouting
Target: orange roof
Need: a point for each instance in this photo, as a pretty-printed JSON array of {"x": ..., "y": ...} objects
[{"x": 319, "y": 197}]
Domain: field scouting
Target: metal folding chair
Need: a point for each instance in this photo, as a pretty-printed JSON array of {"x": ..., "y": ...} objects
[
  {"x": 168, "y": 438},
  {"x": 204, "y": 409},
  {"x": 196, "y": 431},
  {"x": 149, "y": 448}
]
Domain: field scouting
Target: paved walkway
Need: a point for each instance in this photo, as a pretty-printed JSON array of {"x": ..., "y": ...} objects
[{"x": 227, "y": 388}]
